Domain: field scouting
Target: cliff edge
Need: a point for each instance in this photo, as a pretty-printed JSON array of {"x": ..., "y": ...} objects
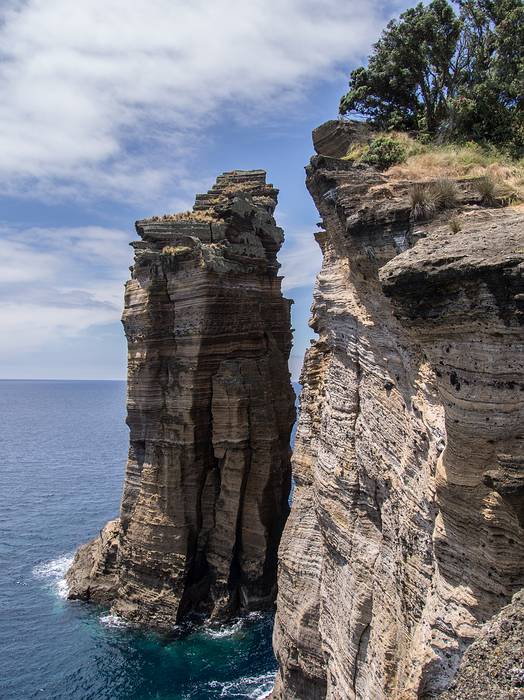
[
  {"x": 406, "y": 532},
  {"x": 210, "y": 411}
]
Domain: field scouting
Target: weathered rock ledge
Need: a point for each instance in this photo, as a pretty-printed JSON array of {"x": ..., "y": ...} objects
[
  {"x": 406, "y": 531},
  {"x": 210, "y": 410}
]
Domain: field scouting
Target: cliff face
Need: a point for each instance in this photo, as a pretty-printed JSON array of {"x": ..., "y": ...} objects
[
  {"x": 210, "y": 410},
  {"x": 406, "y": 529}
]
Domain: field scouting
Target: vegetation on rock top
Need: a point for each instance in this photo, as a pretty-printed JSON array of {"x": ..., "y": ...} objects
[{"x": 448, "y": 74}]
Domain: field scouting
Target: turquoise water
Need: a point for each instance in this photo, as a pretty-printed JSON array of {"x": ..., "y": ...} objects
[{"x": 62, "y": 455}]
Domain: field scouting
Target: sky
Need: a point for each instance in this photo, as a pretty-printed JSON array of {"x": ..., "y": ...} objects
[{"x": 115, "y": 110}]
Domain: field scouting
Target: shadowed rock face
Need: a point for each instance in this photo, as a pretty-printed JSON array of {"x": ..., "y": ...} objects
[
  {"x": 405, "y": 533},
  {"x": 210, "y": 410}
]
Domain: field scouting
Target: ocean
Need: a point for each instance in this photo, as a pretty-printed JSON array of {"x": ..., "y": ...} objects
[{"x": 63, "y": 447}]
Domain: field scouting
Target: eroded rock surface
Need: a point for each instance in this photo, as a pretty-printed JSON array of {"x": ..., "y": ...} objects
[
  {"x": 493, "y": 666},
  {"x": 405, "y": 533},
  {"x": 210, "y": 410}
]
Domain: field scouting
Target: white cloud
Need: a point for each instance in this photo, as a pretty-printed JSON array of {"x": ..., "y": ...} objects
[
  {"x": 21, "y": 264},
  {"x": 58, "y": 283},
  {"x": 83, "y": 82},
  {"x": 27, "y": 327},
  {"x": 110, "y": 99},
  {"x": 301, "y": 260}
]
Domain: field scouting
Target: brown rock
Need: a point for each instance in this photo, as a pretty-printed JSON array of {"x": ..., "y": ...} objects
[
  {"x": 210, "y": 410},
  {"x": 333, "y": 138},
  {"x": 404, "y": 533}
]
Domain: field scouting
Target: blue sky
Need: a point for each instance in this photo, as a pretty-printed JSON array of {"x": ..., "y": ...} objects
[{"x": 113, "y": 111}]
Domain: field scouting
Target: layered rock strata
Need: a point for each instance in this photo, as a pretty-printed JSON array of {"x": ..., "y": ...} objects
[
  {"x": 210, "y": 410},
  {"x": 406, "y": 530}
]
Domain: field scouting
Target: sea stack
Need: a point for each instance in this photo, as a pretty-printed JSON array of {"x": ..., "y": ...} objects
[
  {"x": 210, "y": 411},
  {"x": 405, "y": 541}
]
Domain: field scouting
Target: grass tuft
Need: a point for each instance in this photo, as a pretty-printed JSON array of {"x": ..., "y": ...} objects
[
  {"x": 455, "y": 225},
  {"x": 423, "y": 201},
  {"x": 445, "y": 192},
  {"x": 495, "y": 192}
]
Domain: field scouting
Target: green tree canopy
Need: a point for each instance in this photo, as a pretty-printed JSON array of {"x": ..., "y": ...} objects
[{"x": 458, "y": 73}]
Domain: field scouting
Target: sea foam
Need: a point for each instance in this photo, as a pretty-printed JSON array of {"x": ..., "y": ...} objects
[
  {"x": 53, "y": 573},
  {"x": 112, "y": 620},
  {"x": 228, "y": 630},
  {"x": 221, "y": 631},
  {"x": 253, "y": 687}
]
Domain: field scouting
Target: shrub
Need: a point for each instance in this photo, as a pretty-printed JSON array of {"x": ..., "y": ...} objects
[
  {"x": 423, "y": 203},
  {"x": 445, "y": 192},
  {"x": 487, "y": 189},
  {"x": 494, "y": 192},
  {"x": 384, "y": 152},
  {"x": 428, "y": 198}
]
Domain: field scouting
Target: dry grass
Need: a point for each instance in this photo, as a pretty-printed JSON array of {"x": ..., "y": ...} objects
[
  {"x": 469, "y": 160},
  {"x": 455, "y": 225},
  {"x": 355, "y": 152},
  {"x": 427, "y": 198},
  {"x": 189, "y": 216},
  {"x": 496, "y": 192},
  {"x": 176, "y": 249},
  {"x": 486, "y": 186},
  {"x": 445, "y": 192},
  {"x": 234, "y": 188},
  {"x": 423, "y": 202}
]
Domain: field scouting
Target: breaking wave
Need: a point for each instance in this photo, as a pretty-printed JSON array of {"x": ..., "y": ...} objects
[
  {"x": 53, "y": 573},
  {"x": 232, "y": 628},
  {"x": 112, "y": 620},
  {"x": 253, "y": 687}
]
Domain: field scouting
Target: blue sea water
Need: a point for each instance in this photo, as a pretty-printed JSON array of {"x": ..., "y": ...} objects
[{"x": 62, "y": 454}]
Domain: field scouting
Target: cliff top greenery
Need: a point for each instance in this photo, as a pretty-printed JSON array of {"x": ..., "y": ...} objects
[
  {"x": 408, "y": 158},
  {"x": 449, "y": 73}
]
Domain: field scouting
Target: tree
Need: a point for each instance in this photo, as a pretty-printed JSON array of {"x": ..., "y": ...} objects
[
  {"x": 409, "y": 78},
  {"x": 490, "y": 103},
  {"x": 457, "y": 74}
]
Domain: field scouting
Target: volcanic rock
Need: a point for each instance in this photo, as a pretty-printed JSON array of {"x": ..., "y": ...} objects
[{"x": 210, "y": 411}]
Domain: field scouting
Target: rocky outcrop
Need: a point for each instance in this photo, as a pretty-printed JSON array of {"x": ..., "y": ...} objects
[
  {"x": 493, "y": 666},
  {"x": 210, "y": 410},
  {"x": 406, "y": 532}
]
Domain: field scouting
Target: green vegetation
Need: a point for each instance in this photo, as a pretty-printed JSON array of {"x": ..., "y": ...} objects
[
  {"x": 451, "y": 72},
  {"x": 383, "y": 152},
  {"x": 429, "y": 198},
  {"x": 495, "y": 192}
]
